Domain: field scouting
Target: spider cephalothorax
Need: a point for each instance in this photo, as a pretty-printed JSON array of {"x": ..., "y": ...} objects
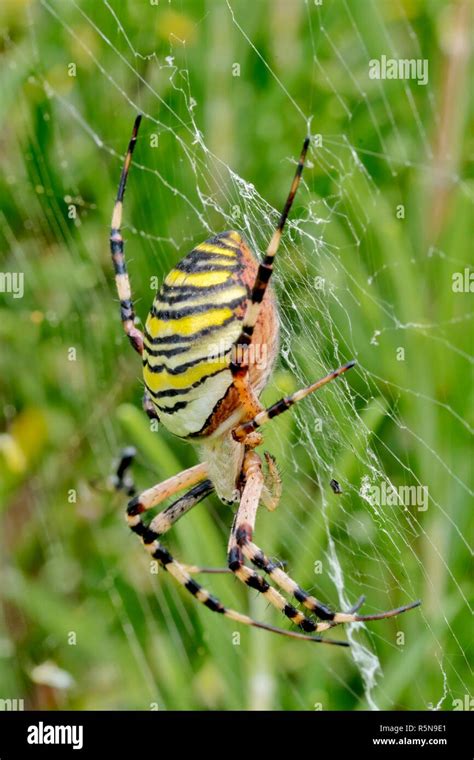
[{"x": 208, "y": 349}]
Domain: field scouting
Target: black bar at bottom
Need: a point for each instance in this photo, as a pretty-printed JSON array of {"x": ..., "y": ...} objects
[{"x": 145, "y": 734}]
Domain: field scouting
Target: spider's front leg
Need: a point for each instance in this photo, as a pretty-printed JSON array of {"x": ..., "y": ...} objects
[{"x": 122, "y": 281}]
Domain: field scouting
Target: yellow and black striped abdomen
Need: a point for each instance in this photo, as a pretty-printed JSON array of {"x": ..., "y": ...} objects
[{"x": 193, "y": 323}]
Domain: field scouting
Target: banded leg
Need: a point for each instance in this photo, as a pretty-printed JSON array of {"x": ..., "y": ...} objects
[
  {"x": 162, "y": 523},
  {"x": 123, "y": 481},
  {"x": 150, "y": 538},
  {"x": 241, "y": 536},
  {"x": 179, "y": 572},
  {"x": 243, "y": 430},
  {"x": 285, "y": 582},
  {"x": 241, "y": 545},
  {"x": 238, "y": 365},
  {"x": 156, "y": 494},
  {"x": 122, "y": 281}
]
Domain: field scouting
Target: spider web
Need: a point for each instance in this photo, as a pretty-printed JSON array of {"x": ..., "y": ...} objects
[{"x": 341, "y": 299}]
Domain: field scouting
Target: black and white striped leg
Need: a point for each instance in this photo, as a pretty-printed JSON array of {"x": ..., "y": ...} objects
[
  {"x": 150, "y": 537},
  {"x": 238, "y": 365},
  {"x": 156, "y": 494},
  {"x": 122, "y": 281},
  {"x": 123, "y": 480},
  {"x": 253, "y": 553},
  {"x": 241, "y": 546},
  {"x": 243, "y": 430},
  {"x": 241, "y": 537}
]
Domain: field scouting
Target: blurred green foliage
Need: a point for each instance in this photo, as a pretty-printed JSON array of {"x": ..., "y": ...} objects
[{"x": 76, "y": 589}]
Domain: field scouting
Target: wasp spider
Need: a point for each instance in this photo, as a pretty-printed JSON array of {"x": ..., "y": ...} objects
[{"x": 208, "y": 348}]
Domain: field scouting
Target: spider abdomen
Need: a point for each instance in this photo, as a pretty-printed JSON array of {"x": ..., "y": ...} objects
[{"x": 193, "y": 324}]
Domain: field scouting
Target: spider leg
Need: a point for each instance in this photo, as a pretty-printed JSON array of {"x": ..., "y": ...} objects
[
  {"x": 150, "y": 537},
  {"x": 239, "y": 365},
  {"x": 156, "y": 494},
  {"x": 243, "y": 430},
  {"x": 122, "y": 281},
  {"x": 241, "y": 537},
  {"x": 241, "y": 545},
  {"x": 285, "y": 582},
  {"x": 162, "y": 523},
  {"x": 124, "y": 482}
]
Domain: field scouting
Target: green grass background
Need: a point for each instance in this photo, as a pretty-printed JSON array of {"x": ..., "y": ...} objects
[{"x": 70, "y": 571}]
